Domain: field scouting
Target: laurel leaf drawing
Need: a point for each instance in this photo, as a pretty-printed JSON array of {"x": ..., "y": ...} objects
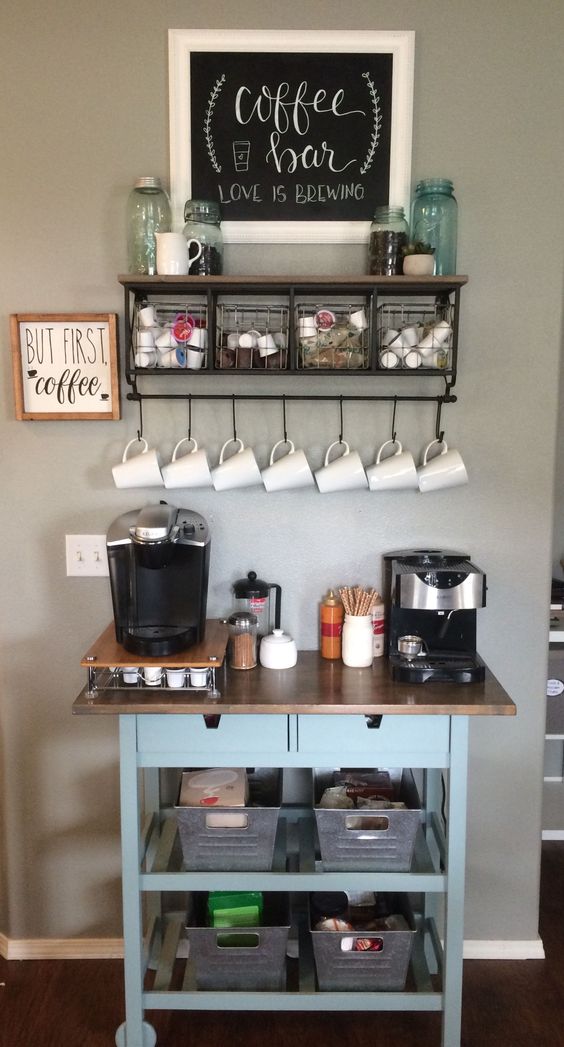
[
  {"x": 377, "y": 124},
  {"x": 207, "y": 122}
]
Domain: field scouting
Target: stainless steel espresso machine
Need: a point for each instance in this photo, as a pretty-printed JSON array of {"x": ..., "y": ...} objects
[
  {"x": 431, "y": 600},
  {"x": 159, "y": 563}
]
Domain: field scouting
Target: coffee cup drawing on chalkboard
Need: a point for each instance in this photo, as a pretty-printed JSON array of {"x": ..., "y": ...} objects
[{"x": 241, "y": 153}]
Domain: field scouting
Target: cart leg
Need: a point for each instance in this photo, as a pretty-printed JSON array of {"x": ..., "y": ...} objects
[
  {"x": 456, "y": 862},
  {"x": 134, "y": 1032},
  {"x": 432, "y": 795},
  {"x": 149, "y": 1036}
]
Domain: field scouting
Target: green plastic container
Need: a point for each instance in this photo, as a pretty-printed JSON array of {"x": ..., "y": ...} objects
[{"x": 235, "y": 908}]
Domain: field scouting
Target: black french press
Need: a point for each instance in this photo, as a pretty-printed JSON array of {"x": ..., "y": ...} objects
[{"x": 256, "y": 596}]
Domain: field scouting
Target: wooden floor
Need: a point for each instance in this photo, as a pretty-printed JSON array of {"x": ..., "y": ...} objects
[{"x": 510, "y": 1004}]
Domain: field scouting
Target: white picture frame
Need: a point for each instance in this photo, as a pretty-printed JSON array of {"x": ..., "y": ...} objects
[{"x": 400, "y": 44}]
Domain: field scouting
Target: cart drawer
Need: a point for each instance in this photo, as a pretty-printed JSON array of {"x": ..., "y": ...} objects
[
  {"x": 190, "y": 734},
  {"x": 354, "y": 738}
]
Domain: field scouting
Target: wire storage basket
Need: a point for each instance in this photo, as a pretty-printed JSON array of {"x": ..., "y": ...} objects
[
  {"x": 415, "y": 336},
  {"x": 252, "y": 337},
  {"x": 333, "y": 337},
  {"x": 170, "y": 334}
]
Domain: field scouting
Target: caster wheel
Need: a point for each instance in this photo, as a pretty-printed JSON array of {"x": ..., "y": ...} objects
[{"x": 149, "y": 1036}]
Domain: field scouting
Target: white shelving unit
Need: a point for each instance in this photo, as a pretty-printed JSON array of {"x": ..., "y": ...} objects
[{"x": 553, "y": 791}]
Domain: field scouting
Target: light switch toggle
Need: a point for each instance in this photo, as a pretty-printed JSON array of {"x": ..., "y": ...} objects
[{"x": 86, "y": 555}]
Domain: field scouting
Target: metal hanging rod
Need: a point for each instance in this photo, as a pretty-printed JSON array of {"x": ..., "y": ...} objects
[{"x": 445, "y": 398}]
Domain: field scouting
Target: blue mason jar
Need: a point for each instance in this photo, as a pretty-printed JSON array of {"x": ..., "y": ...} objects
[{"x": 434, "y": 220}]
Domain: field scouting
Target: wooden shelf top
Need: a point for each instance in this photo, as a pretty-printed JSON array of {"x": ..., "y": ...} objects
[
  {"x": 185, "y": 284},
  {"x": 313, "y": 686},
  {"x": 361, "y": 281}
]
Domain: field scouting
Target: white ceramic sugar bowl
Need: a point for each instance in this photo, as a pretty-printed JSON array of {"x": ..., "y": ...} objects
[{"x": 278, "y": 651}]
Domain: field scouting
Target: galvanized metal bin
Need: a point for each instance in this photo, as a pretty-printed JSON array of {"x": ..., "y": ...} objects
[
  {"x": 341, "y": 969},
  {"x": 365, "y": 840},
  {"x": 249, "y": 847},
  {"x": 243, "y": 959}
]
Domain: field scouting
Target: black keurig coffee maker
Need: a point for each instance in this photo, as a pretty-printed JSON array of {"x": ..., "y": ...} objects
[
  {"x": 159, "y": 562},
  {"x": 431, "y": 598}
]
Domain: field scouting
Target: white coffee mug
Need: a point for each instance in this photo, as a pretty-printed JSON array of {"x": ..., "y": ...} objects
[
  {"x": 142, "y": 470},
  {"x": 289, "y": 471},
  {"x": 446, "y": 469},
  {"x": 173, "y": 254},
  {"x": 394, "y": 473},
  {"x": 240, "y": 470},
  {"x": 342, "y": 474},
  {"x": 191, "y": 470}
]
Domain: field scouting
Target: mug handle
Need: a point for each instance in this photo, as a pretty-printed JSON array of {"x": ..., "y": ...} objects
[
  {"x": 185, "y": 439},
  {"x": 337, "y": 443},
  {"x": 280, "y": 444},
  {"x": 193, "y": 258},
  {"x": 394, "y": 443},
  {"x": 232, "y": 440},
  {"x": 136, "y": 439},
  {"x": 428, "y": 448}
]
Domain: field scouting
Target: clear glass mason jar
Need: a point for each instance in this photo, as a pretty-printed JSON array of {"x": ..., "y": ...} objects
[
  {"x": 148, "y": 212},
  {"x": 389, "y": 233},
  {"x": 203, "y": 223},
  {"x": 358, "y": 640},
  {"x": 434, "y": 220}
]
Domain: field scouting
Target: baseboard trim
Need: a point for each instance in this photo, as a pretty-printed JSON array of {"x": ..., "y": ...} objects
[
  {"x": 503, "y": 949},
  {"x": 61, "y": 948},
  {"x": 112, "y": 949}
]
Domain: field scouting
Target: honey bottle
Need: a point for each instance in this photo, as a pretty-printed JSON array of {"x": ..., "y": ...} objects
[{"x": 331, "y": 621}]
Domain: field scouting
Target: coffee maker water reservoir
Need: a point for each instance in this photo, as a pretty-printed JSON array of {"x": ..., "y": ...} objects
[{"x": 159, "y": 563}]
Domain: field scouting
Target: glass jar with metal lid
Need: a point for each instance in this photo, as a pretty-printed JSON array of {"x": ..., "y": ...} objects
[
  {"x": 242, "y": 645},
  {"x": 203, "y": 223},
  {"x": 388, "y": 235}
]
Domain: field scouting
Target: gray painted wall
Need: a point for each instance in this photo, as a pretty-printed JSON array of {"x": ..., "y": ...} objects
[{"x": 84, "y": 112}]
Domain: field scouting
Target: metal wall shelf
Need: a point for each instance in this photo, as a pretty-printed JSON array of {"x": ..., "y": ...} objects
[{"x": 372, "y": 292}]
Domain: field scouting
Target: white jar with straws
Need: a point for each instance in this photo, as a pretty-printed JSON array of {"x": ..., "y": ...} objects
[{"x": 357, "y": 640}]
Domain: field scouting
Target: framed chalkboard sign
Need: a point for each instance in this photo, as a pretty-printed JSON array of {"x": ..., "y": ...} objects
[
  {"x": 65, "y": 366},
  {"x": 297, "y": 135}
]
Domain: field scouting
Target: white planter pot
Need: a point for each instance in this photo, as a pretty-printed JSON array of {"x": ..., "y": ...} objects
[{"x": 419, "y": 264}]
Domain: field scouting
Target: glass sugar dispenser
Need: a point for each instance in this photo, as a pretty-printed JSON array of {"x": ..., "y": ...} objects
[
  {"x": 203, "y": 223},
  {"x": 434, "y": 220},
  {"x": 388, "y": 235},
  {"x": 148, "y": 212},
  {"x": 242, "y": 643}
]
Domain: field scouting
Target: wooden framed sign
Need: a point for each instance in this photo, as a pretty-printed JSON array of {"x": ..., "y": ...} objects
[
  {"x": 65, "y": 366},
  {"x": 297, "y": 135}
]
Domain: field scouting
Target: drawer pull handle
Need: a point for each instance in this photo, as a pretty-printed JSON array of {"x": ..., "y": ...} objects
[
  {"x": 373, "y": 722},
  {"x": 212, "y": 719}
]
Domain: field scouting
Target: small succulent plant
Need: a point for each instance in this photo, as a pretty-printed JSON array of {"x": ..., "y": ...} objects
[{"x": 419, "y": 247}]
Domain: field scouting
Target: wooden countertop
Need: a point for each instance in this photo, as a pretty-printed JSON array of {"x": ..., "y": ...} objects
[{"x": 314, "y": 685}]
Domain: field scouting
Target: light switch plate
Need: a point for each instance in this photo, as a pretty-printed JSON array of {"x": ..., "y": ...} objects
[{"x": 86, "y": 555}]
